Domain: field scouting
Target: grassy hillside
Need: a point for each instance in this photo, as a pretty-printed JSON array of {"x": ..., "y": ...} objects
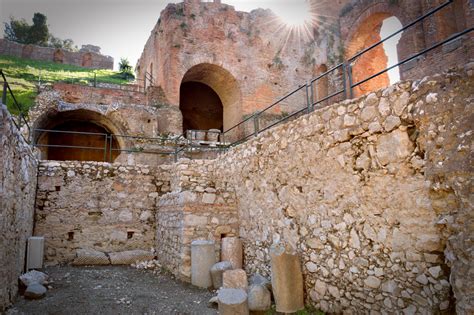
[{"x": 24, "y": 75}]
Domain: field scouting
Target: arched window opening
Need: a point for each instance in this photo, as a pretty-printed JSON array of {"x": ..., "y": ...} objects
[
  {"x": 370, "y": 31},
  {"x": 390, "y": 26}
]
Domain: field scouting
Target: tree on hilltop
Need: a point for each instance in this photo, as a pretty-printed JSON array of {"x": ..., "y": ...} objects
[
  {"x": 21, "y": 32},
  {"x": 126, "y": 69},
  {"x": 36, "y": 34}
]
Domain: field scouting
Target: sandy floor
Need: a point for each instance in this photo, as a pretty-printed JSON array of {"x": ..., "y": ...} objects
[{"x": 115, "y": 290}]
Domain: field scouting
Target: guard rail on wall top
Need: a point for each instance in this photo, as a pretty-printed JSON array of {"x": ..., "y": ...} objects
[{"x": 177, "y": 145}]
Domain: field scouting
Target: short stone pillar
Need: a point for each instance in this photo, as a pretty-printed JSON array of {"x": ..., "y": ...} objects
[
  {"x": 203, "y": 257},
  {"x": 231, "y": 250},
  {"x": 287, "y": 279},
  {"x": 232, "y": 302}
]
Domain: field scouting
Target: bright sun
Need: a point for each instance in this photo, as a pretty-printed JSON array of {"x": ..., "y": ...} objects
[{"x": 295, "y": 13}]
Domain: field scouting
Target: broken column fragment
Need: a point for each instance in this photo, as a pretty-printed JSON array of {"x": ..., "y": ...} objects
[
  {"x": 217, "y": 272},
  {"x": 231, "y": 250},
  {"x": 203, "y": 257},
  {"x": 235, "y": 279},
  {"x": 259, "y": 298},
  {"x": 287, "y": 279},
  {"x": 232, "y": 302}
]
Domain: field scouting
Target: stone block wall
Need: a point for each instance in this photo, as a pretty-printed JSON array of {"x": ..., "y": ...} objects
[
  {"x": 83, "y": 58},
  {"x": 197, "y": 208},
  {"x": 374, "y": 194},
  {"x": 95, "y": 205},
  {"x": 17, "y": 197}
]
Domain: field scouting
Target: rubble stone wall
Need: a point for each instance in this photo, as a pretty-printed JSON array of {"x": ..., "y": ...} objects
[
  {"x": 95, "y": 205},
  {"x": 17, "y": 197},
  {"x": 87, "y": 59},
  {"x": 374, "y": 193}
]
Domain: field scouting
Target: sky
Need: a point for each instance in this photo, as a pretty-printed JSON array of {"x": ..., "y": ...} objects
[{"x": 120, "y": 27}]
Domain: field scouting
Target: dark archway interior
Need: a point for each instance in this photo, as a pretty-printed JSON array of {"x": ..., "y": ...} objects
[
  {"x": 201, "y": 107},
  {"x": 83, "y": 139}
]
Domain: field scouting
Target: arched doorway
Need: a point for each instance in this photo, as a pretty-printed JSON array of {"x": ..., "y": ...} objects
[
  {"x": 369, "y": 32},
  {"x": 78, "y": 135},
  {"x": 58, "y": 56},
  {"x": 209, "y": 98},
  {"x": 87, "y": 60}
]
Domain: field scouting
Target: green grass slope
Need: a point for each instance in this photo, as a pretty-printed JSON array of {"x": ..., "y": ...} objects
[{"x": 24, "y": 75}]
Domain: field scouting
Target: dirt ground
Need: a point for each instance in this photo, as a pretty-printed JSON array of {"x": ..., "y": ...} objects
[{"x": 115, "y": 290}]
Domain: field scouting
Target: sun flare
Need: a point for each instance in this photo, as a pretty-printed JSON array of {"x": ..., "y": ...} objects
[{"x": 295, "y": 15}]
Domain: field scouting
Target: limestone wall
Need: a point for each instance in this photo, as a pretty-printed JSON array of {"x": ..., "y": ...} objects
[
  {"x": 83, "y": 58},
  {"x": 197, "y": 208},
  {"x": 17, "y": 196},
  {"x": 94, "y": 205},
  {"x": 373, "y": 192}
]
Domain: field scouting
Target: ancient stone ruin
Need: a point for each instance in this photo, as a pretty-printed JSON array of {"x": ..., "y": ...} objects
[
  {"x": 88, "y": 56},
  {"x": 371, "y": 192}
]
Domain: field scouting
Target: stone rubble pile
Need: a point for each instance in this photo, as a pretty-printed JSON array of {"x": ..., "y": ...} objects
[{"x": 35, "y": 282}]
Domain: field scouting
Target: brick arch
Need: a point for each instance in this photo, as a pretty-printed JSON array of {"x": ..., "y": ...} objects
[
  {"x": 80, "y": 120},
  {"x": 366, "y": 24},
  {"x": 365, "y": 12},
  {"x": 223, "y": 83}
]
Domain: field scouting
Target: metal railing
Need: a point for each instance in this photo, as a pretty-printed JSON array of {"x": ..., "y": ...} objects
[
  {"x": 306, "y": 96},
  {"x": 111, "y": 144},
  {"x": 137, "y": 85},
  {"x": 239, "y": 133},
  {"x": 20, "y": 120}
]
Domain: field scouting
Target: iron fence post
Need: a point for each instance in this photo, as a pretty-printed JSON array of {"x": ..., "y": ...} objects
[
  {"x": 95, "y": 79},
  {"x": 105, "y": 149},
  {"x": 344, "y": 81},
  {"x": 4, "y": 93},
  {"x": 110, "y": 148},
  {"x": 349, "y": 77},
  {"x": 308, "y": 101},
  {"x": 255, "y": 124}
]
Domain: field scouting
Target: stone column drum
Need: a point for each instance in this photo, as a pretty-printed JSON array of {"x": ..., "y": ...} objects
[
  {"x": 232, "y": 302},
  {"x": 231, "y": 250},
  {"x": 287, "y": 279},
  {"x": 203, "y": 257}
]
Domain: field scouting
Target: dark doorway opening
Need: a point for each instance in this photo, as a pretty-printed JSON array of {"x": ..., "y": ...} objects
[{"x": 201, "y": 107}]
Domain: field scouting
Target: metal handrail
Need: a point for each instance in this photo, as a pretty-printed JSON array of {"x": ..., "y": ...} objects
[
  {"x": 6, "y": 88},
  {"x": 424, "y": 51},
  {"x": 421, "y": 18},
  {"x": 347, "y": 84}
]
